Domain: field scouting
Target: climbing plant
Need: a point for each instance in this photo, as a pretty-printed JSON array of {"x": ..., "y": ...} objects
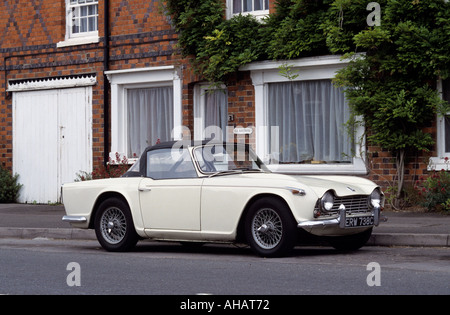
[{"x": 392, "y": 84}]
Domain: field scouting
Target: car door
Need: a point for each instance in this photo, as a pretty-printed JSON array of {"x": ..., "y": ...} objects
[{"x": 170, "y": 193}]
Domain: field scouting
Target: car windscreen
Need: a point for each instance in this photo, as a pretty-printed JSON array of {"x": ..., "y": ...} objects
[{"x": 217, "y": 158}]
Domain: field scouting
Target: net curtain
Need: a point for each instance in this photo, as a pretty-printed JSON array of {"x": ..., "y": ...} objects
[
  {"x": 150, "y": 117},
  {"x": 310, "y": 116}
]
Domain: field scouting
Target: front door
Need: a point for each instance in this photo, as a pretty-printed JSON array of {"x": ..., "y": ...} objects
[
  {"x": 170, "y": 193},
  {"x": 171, "y": 204}
]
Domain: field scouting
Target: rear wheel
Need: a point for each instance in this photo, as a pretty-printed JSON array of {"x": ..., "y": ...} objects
[
  {"x": 269, "y": 228},
  {"x": 114, "y": 226}
]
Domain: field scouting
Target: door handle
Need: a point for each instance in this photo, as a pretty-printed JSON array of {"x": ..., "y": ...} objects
[{"x": 146, "y": 188}]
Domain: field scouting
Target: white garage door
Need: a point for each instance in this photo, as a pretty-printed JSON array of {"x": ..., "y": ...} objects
[{"x": 51, "y": 140}]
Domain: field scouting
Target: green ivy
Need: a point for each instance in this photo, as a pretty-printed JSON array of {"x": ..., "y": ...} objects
[{"x": 392, "y": 85}]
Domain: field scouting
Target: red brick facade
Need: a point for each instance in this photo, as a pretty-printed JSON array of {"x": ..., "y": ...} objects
[{"x": 139, "y": 36}]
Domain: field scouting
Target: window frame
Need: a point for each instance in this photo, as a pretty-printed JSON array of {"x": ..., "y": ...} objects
[
  {"x": 121, "y": 81},
  {"x": 259, "y": 14},
  {"x": 82, "y": 38},
  {"x": 310, "y": 68},
  {"x": 439, "y": 162}
]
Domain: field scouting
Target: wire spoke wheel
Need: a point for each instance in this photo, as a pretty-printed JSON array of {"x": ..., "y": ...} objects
[
  {"x": 267, "y": 228},
  {"x": 113, "y": 225},
  {"x": 270, "y": 228}
]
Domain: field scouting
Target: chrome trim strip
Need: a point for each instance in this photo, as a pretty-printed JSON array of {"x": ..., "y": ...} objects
[{"x": 74, "y": 219}]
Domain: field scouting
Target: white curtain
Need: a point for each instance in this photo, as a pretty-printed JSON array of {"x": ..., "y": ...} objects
[
  {"x": 216, "y": 112},
  {"x": 310, "y": 116},
  {"x": 150, "y": 117}
]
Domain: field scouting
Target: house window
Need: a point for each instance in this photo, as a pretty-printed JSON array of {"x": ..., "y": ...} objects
[
  {"x": 441, "y": 161},
  {"x": 258, "y": 8},
  {"x": 150, "y": 117},
  {"x": 83, "y": 17},
  {"x": 81, "y": 23},
  {"x": 210, "y": 112},
  {"x": 145, "y": 108},
  {"x": 446, "y": 119},
  {"x": 300, "y": 124},
  {"x": 308, "y": 119}
]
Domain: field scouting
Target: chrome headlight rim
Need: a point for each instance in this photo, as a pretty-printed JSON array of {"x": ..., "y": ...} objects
[
  {"x": 374, "y": 199},
  {"x": 327, "y": 201}
]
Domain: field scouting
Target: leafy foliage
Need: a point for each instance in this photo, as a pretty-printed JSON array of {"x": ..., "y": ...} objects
[
  {"x": 435, "y": 191},
  {"x": 9, "y": 186},
  {"x": 391, "y": 85}
]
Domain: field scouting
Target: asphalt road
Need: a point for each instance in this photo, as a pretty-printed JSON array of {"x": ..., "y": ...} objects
[{"x": 43, "y": 266}]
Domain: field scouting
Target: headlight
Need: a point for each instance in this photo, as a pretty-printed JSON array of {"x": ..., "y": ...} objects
[
  {"x": 375, "y": 198},
  {"x": 327, "y": 201}
]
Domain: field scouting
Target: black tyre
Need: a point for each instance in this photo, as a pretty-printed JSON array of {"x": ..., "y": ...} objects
[
  {"x": 270, "y": 228},
  {"x": 350, "y": 242},
  {"x": 114, "y": 226}
]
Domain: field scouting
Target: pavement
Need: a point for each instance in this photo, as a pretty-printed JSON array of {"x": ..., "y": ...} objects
[{"x": 403, "y": 228}]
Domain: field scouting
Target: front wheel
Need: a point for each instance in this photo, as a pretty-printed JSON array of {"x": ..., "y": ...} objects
[
  {"x": 114, "y": 226},
  {"x": 270, "y": 228}
]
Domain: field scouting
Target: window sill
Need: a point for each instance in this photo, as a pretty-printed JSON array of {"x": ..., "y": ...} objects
[
  {"x": 78, "y": 41},
  {"x": 438, "y": 164}
]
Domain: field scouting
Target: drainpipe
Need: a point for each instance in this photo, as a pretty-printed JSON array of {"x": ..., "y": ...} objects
[{"x": 106, "y": 83}]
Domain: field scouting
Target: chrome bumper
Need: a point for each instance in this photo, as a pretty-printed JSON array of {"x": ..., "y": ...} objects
[
  {"x": 340, "y": 220},
  {"x": 74, "y": 219}
]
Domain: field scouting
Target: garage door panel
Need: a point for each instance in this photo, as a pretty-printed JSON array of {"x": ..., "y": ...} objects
[
  {"x": 42, "y": 156},
  {"x": 75, "y": 133},
  {"x": 34, "y": 146}
]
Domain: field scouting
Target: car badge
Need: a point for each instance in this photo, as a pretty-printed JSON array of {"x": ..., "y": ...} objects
[{"x": 351, "y": 189}]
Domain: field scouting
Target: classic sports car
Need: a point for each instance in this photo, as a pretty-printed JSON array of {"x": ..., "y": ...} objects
[{"x": 221, "y": 192}]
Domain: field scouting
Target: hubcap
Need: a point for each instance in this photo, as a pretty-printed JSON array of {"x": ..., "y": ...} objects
[
  {"x": 267, "y": 228},
  {"x": 113, "y": 225}
]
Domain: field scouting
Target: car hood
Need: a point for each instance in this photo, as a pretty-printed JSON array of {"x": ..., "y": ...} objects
[{"x": 341, "y": 185}]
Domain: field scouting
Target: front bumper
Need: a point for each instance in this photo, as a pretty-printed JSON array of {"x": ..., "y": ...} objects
[{"x": 339, "y": 222}]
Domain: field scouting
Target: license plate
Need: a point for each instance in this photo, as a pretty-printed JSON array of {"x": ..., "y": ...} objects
[{"x": 359, "y": 221}]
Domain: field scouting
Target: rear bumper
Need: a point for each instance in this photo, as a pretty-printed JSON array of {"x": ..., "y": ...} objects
[
  {"x": 74, "y": 219},
  {"x": 339, "y": 222}
]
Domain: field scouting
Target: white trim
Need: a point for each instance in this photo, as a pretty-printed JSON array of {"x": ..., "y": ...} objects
[
  {"x": 78, "y": 41},
  {"x": 51, "y": 83},
  {"x": 83, "y": 38},
  {"x": 259, "y": 14},
  {"x": 437, "y": 163},
  {"x": 311, "y": 68},
  {"x": 121, "y": 80}
]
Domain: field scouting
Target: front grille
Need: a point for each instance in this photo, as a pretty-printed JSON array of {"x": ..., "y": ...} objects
[{"x": 353, "y": 205}]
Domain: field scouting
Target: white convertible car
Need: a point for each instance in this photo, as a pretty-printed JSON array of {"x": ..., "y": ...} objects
[{"x": 219, "y": 192}]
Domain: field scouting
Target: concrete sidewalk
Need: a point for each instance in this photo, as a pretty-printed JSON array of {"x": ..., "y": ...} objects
[{"x": 402, "y": 228}]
